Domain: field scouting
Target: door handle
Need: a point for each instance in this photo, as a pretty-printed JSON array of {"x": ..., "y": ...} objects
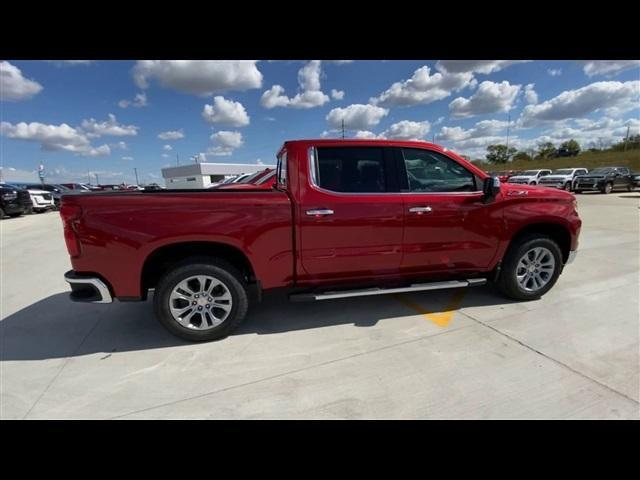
[
  {"x": 420, "y": 210},
  {"x": 320, "y": 212}
]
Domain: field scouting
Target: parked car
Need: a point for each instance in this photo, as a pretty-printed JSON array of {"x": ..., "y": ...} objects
[
  {"x": 635, "y": 177},
  {"x": 347, "y": 218},
  {"x": 41, "y": 200},
  {"x": 605, "y": 180},
  {"x": 529, "y": 177},
  {"x": 55, "y": 190},
  {"x": 562, "y": 178},
  {"x": 83, "y": 187},
  {"x": 10, "y": 203},
  {"x": 260, "y": 180}
]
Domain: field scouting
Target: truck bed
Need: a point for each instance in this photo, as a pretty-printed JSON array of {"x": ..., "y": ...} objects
[{"x": 119, "y": 230}]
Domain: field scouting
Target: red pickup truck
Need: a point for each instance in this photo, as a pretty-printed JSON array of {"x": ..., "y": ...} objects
[{"x": 344, "y": 218}]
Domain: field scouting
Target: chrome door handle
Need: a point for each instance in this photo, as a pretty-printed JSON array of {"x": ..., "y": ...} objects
[
  {"x": 420, "y": 209},
  {"x": 319, "y": 212}
]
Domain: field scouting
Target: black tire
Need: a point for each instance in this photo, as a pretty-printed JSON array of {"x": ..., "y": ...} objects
[
  {"x": 223, "y": 271},
  {"x": 507, "y": 283},
  {"x": 567, "y": 186},
  {"x": 607, "y": 189},
  {"x": 629, "y": 188},
  {"x": 28, "y": 211},
  {"x": 577, "y": 191},
  {"x": 1, "y": 213},
  {"x": 14, "y": 215},
  {"x": 533, "y": 183}
]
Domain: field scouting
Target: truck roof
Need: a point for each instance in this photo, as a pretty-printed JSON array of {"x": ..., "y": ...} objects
[{"x": 365, "y": 141}]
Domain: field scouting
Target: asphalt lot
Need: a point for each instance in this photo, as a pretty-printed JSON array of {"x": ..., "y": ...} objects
[{"x": 444, "y": 354}]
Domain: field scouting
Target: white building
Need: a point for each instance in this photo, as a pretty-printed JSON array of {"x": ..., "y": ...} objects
[{"x": 202, "y": 175}]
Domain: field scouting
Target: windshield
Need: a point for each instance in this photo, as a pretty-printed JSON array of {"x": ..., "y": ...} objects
[
  {"x": 599, "y": 171},
  {"x": 563, "y": 171},
  {"x": 530, "y": 172}
]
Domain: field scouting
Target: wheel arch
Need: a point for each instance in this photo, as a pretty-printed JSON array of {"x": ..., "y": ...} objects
[
  {"x": 163, "y": 258},
  {"x": 556, "y": 231}
]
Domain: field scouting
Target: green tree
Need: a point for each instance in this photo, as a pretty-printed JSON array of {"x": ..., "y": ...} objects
[
  {"x": 571, "y": 148},
  {"x": 499, "y": 153},
  {"x": 522, "y": 156},
  {"x": 546, "y": 150}
]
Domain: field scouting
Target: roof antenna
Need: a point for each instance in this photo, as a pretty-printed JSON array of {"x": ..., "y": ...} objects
[{"x": 343, "y": 128}]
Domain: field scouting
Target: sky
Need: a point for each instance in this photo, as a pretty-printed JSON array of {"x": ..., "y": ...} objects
[{"x": 85, "y": 118}]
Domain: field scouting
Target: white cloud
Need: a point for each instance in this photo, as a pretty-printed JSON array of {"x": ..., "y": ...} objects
[
  {"x": 310, "y": 94},
  {"x": 365, "y": 134},
  {"x": 140, "y": 100},
  {"x": 554, "y": 72},
  {"x": 423, "y": 88},
  {"x": 356, "y": 116},
  {"x": 530, "y": 94},
  {"x": 167, "y": 148},
  {"x": 54, "y": 138},
  {"x": 608, "y": 67},
  {"x": 485, "y": 128},
  {"x": 339, "y": 62},
  {"x": 337, "y": 94},
  {"x": 13, "y": 86},
  {"x": 165, "y": 155},
  {"x": 171, "y": 135},
  {"x": 71, "y": 63},
  {"x": 127, "y": 158},
  {"x": 407, "y": 130},
  {"x": 226, "y": 112},
  {"x": 476, "y": 66},
  {"x": 199, "y": 77},
  {"x": 120, "y": 145},
  {"x": 490, "y": 97},
  {"x": 611, "y": 97},
  {"x": 225, "y": 142},
  {"x": 110, "y": 127}
]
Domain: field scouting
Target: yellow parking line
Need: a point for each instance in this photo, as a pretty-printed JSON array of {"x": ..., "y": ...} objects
[{"x": 441, "y": 319}]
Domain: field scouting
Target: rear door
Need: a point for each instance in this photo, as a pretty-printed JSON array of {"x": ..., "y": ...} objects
[
  {"x": 447, "y": 226},
  {"x": 350, "y": 214}
]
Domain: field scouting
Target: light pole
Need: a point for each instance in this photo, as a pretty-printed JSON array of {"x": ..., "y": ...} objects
[{"x": 136, "y": 172}]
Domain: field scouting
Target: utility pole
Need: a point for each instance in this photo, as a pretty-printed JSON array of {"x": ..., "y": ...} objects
[
  {"x": 89, "y": 177},
  {"x": 508, "y": 125},
  {"x": 97, "y": 179},
  {"x": 136, "y": 172},
  {"x": 343, "y": 128},
  {"x": 626, "y": 138}
]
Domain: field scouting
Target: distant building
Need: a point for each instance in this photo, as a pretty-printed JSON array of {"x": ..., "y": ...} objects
[{"x": 202, "y": 175}]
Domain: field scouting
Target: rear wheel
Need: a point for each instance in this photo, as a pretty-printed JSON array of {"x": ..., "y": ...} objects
[
  {"x": 530, "y": 268},
  {"x": 202, "y": 299}
]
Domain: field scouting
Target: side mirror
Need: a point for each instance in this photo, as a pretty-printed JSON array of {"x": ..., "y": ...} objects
[{"x": 491, "y": 188}]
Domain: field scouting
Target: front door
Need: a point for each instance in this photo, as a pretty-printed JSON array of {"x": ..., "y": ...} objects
[{"x": 448, "y": 227}]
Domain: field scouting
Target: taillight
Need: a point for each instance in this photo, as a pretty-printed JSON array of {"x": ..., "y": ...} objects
[{"x": 70, "y": 215}]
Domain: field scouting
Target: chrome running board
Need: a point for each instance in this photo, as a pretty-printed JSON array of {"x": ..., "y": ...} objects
[{"x": 304, "y": 297}]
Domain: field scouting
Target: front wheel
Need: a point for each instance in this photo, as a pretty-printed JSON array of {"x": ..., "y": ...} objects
[
  {"x": 530, "y": 268},
  {"x": 533, "y": 183},
  {"x": 202, "y": 299},
  {"x": 567, "y": 186},
  {"x": 608, "y": 188}
]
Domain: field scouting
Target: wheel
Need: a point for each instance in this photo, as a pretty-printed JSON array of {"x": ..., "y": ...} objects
[
  {"x": 532, "y": 183},
  {"x": 577, "y": 191},
  {"x": 530, "y": 268},
  {"x": 1, "y": 213},
  {"x": 608, "y": 187},
  {"x": 629, "y": 188},
  {"x": 567, "y": 186},
  {"x": 14, "y": 215},
  {"x": 201, "y": 299}
]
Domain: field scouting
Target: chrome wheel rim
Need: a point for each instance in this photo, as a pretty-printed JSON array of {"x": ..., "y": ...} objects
[
  {"x": 608, "y": 188},
  {"x": 200, "y": 302},
  {"x": 535, "y": 269}
]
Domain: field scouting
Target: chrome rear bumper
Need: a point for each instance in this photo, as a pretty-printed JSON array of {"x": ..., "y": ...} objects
[
  {"x": 572, "y": 256},
  {"x": 87, "y": 289}
]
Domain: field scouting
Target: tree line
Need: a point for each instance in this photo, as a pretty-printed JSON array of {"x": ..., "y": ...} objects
[{"x": 502, "y": 154}]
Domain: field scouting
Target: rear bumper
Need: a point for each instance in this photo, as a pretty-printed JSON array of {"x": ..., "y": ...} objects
[{"x": 86, "y": 288}]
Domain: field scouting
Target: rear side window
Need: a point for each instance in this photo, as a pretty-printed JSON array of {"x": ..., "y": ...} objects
[
  {"x": 282, "y": 170},
  {"x": 351, "y": 169},
  {"x": 429, "y": 171}
]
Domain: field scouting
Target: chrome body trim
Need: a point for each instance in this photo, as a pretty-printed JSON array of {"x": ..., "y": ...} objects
[
  {"x": 99, "y": 285},
  {"x": 572, "y": 257}
]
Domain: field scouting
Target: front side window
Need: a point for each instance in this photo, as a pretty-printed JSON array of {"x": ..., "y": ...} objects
[
  {"x": 350, "y": 169},
  {"x": 429, "y": 171}
]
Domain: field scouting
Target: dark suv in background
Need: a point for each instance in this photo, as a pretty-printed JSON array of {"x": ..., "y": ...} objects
[
  {"x": 605, "y": 179},
  {"x": 13, "y": 201}
]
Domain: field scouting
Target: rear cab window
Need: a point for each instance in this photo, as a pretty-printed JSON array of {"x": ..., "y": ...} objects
[{"x": 349, "y": 169}]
